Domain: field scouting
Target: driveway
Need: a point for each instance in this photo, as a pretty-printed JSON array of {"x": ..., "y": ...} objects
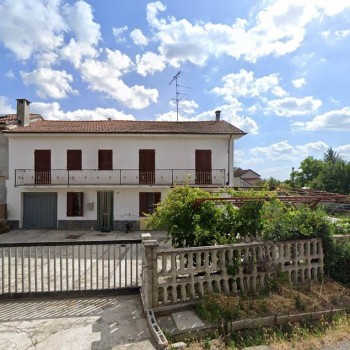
[{"x": 98, "y": 323}]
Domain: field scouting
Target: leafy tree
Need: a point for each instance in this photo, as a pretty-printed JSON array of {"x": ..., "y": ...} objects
[{"x": 310, "y": 168}]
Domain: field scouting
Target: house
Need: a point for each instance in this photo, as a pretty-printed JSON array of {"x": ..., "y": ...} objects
[
  {"x": 7, "y": 122},
  {"x": 102, "y": 175},
  {"x": 246, "y": 178}
]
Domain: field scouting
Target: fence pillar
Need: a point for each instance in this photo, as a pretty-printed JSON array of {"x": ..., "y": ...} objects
[{"x": 149, "y": 271}]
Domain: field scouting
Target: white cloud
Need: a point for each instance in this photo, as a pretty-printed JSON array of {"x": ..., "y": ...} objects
[
  {"x": 138, "y": 38},
  {"x": 278, "y": 28},
  {"x": 246, "y": 85},
  {"x": 86, "y": 33},
  {"x": 284, "y": 151},
  {"x": 119, "y": 33},
  {"x": 5, "y": 106},
  {"x": 336, "y": 120},
  {"x": 10, "y": 75},
  {"x": 298, "y": 83},
  {"x": 104, "y": 76},
  {"x": 344, "y": 151},
  {"x": 49, "y": 82},
  {"x": 292, "y": 106},
  {"x": 31, "y": 26},
  {"x": 188, "y": 107},
  {"x": 276, "y": 151},
  {"x": 149, "y": 63},
  {"x": 53, "y": 111}
]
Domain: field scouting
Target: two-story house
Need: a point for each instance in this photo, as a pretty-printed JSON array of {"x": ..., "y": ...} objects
[
  {"x": 104, "y": 174},
  {"x": 246, "y": 178}
]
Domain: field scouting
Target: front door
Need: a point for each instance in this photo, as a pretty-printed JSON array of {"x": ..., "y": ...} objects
[
  {"x": 147, "y": 166},
  {"x": 42, "y": 166},
  {"x": 105, "y": 211},
  {"x": 203, "y": 167}
]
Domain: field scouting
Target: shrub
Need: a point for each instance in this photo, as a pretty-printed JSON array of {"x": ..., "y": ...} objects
[{"x": 4, "y": 227}]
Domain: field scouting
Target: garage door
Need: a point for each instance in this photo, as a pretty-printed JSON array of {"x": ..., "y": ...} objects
[{"x": 40, "y": 210}]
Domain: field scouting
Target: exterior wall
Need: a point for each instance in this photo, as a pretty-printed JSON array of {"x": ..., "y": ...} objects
[
  {"x": 3, "y": 167},
  {"x": 171, "y": 152}
]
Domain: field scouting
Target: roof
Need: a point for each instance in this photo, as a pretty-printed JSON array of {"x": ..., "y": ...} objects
[
  {"x": 239, "y": 172},
  {"x": 129, "y": 127},
  {"x": 10, "y": 119}
]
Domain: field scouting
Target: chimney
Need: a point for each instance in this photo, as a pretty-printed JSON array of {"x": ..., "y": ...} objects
[
  {"x": 217, "y": 115},
  {"x": 23, "y": 112}
]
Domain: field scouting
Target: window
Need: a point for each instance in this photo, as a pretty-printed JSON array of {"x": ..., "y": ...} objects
[
  {"x": 148, "y": 201},
  {"x": 105, "y": 159},
  {"x": 75, "y": 203},
  {"x": 74, "y": 159}
]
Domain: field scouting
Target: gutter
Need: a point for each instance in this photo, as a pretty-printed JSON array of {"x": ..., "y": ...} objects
[{"x": 228, "y": 160}]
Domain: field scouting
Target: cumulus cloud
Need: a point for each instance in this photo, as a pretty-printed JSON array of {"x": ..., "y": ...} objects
[
  {"x": 149, "y": 63},
  {"x": 49, "y": 82},
  {"x": 298, "y": 83},
  {"x": 104, "y": 76},
  {"x": 344, "y": 151},
  {"x": 41, "y": 19},
  {"x": 138, "y": 38},
  {"x": 292, "y": 106},
  {"x": 53, "y": 111},
  {"x": 277, "y": 28},
  {"x": 119, "y": 33},
  {"x": 336, "y": 120},
  {"x": 244, "y": 84},
  {"x": 5, "y": 106},
  {"x": 284, "y": 151}
]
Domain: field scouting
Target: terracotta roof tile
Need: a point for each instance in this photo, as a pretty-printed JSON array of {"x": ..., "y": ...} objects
[
  {"x": 10, "y": 119},
  {"x": 129, "y": 127}
]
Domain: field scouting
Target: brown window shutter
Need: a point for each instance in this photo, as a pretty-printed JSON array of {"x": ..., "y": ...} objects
[
  {"x": 42, "y": 160},
  {"x": 74, "y": 159},
  {"x": 143, "y": 203},
  {"x": 105, "y": 159},
  {"x": 156, "y": 198},
  {"x": 81, "y": 195},
  {"x": 70, "y": 203}
]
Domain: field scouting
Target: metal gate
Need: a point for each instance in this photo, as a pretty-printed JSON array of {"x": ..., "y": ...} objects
[
  {"x": 69, "y": 268},
  {"x": 40, "y": 210}
]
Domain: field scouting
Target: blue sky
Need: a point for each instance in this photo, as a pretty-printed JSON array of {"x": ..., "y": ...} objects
[{"x": 279, "y": 70}]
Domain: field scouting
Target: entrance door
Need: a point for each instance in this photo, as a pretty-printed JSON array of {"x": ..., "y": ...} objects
[
  {"x": 40, "y": 210},
  {"x": 203, "y": 167},
  {"x": 42, "y": 166},
  {"x": 105, "y": 211},
  {"x": 147, "y": 166}
]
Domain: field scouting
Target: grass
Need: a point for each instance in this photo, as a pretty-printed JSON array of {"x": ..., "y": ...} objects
[
  {"x": 298, "y": 336},
  {"x": 280, "y": 298}
]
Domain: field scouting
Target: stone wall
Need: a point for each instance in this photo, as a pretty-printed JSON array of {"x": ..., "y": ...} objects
[{"x": 173, "y": 276}]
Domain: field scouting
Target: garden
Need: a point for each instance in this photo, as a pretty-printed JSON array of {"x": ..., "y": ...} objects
[{"x": 194, "y": 217}]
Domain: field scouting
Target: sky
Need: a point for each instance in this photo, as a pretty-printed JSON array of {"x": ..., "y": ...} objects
[{"x": 277, "y": 69}]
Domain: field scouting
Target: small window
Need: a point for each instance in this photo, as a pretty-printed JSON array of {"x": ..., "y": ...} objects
[
  {"x": 74, "y": 159},
  {"x": 75, "y": 203},
  {"x": 148, "y": 202},
  {"x": 105, "y": 159}
]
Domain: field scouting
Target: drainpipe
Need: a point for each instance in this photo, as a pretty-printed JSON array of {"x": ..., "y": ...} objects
[{"x": 229, "y": 161}]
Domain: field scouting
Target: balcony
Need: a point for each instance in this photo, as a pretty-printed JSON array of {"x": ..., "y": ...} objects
[{"x": 119, "y": 177}]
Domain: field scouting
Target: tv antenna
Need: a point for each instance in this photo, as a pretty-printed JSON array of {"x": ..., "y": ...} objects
[{"x": 177, "y": 97}]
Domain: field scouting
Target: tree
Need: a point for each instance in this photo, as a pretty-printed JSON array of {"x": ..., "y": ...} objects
[
  {"x": 331, "y": 156},
  {"x": 310, "y": 168}
]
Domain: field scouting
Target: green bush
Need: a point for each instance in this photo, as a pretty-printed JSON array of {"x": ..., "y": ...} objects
[
  {"x": 340, "y": 262},
  {"x": 4, "y": 227}
]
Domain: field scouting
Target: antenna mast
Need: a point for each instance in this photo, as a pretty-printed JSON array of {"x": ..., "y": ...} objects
[{"x": 177, "y": 99}]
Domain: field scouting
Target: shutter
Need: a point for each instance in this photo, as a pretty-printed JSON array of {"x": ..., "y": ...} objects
[
  {"x": 143, "y": 203},
  {"x": 80, "y": 197},
  {"x": 74, "y": 159},
  {"x": 147, "y": 159},
  {"x": 203, "y": 160},
  {"x": 156, "y": 199},
  {"x": 70, "y": 203},
  {"x": 105, "y": 161},
  {"x": 42, "y": 160}
]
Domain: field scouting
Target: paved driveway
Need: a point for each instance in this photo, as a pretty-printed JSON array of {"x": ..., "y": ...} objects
[{"x": 112, "y": 323}]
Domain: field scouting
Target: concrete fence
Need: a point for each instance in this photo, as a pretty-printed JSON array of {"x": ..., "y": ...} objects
[{"x": 173, "y": 276}]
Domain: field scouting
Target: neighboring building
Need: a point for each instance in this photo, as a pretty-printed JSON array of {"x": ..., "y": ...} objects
[
  {"x": 246, "y": 178},
  {"x": 7, "y": 122},
  {"x": 104, "y": 174}
]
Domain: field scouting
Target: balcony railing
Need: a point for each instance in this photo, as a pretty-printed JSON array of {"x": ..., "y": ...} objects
[{"x": 120, "y": 177}]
